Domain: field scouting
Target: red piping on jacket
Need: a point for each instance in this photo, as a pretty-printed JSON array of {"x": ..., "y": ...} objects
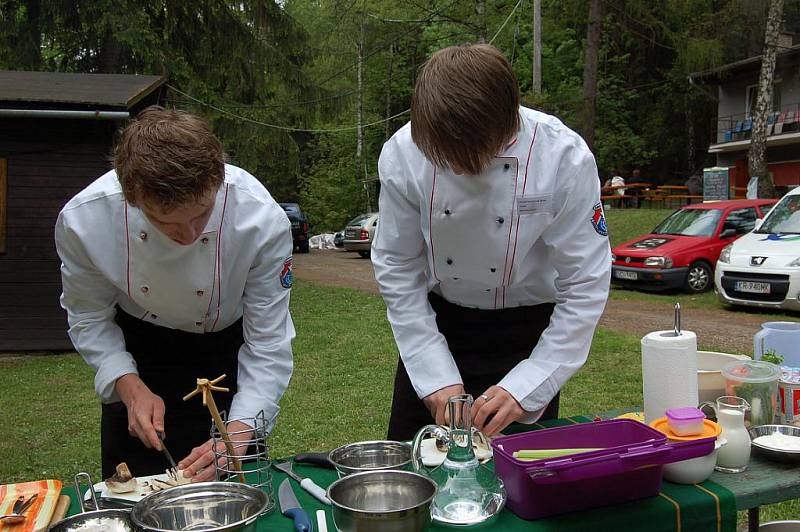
[
  {"x": 218, "y": 263},
  {"x": 128, "y": 247},
  {"x": 524, "y": 184},
  {"x": 430, "y": 225}
]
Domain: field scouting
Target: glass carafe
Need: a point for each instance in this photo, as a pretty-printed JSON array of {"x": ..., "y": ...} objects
[
  {"x": 469, "y": 492},
  {"x": 735, "y": 455}
]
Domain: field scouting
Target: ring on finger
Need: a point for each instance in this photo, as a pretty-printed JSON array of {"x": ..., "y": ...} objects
[{"x": 485, "y": 397}]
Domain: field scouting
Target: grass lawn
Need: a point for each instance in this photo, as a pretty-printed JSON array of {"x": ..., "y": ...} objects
[{"x": 345, "y": 358}]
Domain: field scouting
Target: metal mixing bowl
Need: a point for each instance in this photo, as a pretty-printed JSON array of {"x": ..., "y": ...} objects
[
  {"x": 210, "y": 506},
  {"x": 388, "y": 500},
  {"x": 96, "y": 521},
  {"x": 778, "y": 455},
  {"x": 370, "y": 456}
]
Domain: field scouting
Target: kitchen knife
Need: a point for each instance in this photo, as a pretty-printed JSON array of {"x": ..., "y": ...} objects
[
  {"x": 161, "y": 436},
  {"x": 291, "y": 508},
  {"x": 305, "y": 483},
  {"x": 317, "y": 459}
]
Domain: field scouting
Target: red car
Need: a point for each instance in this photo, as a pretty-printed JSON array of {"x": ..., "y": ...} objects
[{"x": 682, "y": 250}]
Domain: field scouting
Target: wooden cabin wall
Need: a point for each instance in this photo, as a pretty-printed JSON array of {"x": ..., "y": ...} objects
[{"x": 48, "y": 161}]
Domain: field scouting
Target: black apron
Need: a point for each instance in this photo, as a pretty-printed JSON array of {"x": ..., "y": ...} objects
[
  {"x": 169, "y": 362},
  {"x": 486, "y": 345}
]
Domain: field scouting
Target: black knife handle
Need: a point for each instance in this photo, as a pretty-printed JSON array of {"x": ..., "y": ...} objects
[{"x": 317, "y": 459}]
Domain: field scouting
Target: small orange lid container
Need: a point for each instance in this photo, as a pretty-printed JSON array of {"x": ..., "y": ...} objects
[{"x": 710, "y": 430}]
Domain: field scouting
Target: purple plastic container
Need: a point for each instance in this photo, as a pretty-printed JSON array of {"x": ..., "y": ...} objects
[{"x": 628, "y": 467}]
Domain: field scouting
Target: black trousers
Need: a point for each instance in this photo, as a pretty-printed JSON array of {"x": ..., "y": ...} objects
[
  {"x": 169, "y": 362},
  {"x": 486, "y": 345}
]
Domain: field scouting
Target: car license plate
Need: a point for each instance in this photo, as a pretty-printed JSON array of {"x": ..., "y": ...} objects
[
  {"x": 753, "y": 287},
  {"x": 622, "y": 274}
]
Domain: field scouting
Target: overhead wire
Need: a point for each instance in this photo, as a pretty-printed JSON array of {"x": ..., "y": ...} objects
[
  {"x": 505, "y": 21},
  {"x": 278, "y": 126}
]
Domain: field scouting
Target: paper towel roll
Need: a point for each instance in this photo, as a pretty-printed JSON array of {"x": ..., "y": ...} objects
[{"x": 669, "y": 372}]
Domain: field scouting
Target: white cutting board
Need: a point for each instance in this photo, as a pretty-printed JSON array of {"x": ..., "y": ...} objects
[{"x": 134, "y": 496}]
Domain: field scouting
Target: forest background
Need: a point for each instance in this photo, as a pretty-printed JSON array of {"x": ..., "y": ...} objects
[{"x": 304, "y": 93}]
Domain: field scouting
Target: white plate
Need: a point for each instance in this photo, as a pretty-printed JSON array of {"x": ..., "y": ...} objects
[
  {"x": 135, "y": 496},
  {"x": 432, "y": 457}
]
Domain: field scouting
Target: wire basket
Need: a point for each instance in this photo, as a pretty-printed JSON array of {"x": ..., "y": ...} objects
[{"x": 254, "y": 461}]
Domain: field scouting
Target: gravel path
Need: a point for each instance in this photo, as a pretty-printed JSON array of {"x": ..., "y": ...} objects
[{"x": 729, "y": 330}]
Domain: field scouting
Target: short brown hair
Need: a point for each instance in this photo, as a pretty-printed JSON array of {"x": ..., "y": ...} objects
[
  {"x": 168, "y": 157},
  {"x": 465, "y": 106}
]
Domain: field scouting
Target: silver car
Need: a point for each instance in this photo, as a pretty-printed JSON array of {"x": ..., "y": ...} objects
[{"x": 359, "y": 233}]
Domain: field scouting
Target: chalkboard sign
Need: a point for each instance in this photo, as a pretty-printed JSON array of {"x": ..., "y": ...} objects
[{"x": 715, "y": 184}]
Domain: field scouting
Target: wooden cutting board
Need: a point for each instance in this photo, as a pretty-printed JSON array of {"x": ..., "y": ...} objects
[
  {"x": 61, "y": 510},
  {"x": 41, "y": 510}
]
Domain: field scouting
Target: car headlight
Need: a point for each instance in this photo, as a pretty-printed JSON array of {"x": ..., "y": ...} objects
[
  {"x": 795, "y": 263},
  {"x": 613, "y": 257},
  {"x": 659, "y": 262},
  {"x": 725, "y": 254}
]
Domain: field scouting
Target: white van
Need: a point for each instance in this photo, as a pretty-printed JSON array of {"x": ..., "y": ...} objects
[{"x": 762, "y": 268}]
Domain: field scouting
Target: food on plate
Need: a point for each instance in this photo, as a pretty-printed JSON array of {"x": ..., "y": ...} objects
[
  {"x": 433, "y": 451},
  {"x": 171, "y": 481},
  {"x": 122, "y": 481}
]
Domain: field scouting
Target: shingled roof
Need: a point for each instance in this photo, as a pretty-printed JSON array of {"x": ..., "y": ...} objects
[{"x": 119, "y": 91}]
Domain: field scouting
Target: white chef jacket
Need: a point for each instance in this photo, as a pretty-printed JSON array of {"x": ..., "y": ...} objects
[
  {"x": 240, "y": 266},
  {"x": 528, "y": 230}
]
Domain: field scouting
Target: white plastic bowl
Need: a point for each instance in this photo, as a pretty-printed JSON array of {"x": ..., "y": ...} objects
[
  {"x": 710, "y": 382},
  {"x": 694, "y": 470}
]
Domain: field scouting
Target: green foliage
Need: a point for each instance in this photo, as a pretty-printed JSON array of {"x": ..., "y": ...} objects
[{"x": 271, "y": 67}]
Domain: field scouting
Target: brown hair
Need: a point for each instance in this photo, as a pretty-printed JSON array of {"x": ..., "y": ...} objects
[
  {"x": 465, "y": 106},
  {"x": 168, "y": 157}
]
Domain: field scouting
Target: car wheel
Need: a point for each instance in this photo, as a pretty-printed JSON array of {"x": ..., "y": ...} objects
[
  {"x": 698, "y": 278},
  {"x": 302, "y": 247},
  {"x": 364, "y": 254}
]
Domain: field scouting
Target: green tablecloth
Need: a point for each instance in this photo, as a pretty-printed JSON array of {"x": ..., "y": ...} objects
[{"x": 704, "y": 507}]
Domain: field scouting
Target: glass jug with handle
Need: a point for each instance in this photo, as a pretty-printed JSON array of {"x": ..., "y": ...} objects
[
  {"x": 735, "y": 455},
  {"x": 469, "y": 493}
]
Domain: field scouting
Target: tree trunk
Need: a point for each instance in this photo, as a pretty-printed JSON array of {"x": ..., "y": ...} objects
[
  {"x": 388, "y": 93},
  {"x": 590, "y": 71},
  {"x": 480, "y": 9},
  {"x": 757, "y": 157},
  {"x": 29, "y": 45},
  {"x": 537, "y": 46},
  {"x": 110, "y": 53}
]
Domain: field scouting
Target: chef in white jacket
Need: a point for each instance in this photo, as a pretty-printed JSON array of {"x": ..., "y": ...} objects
[
  {"x": 491, "y": 250},
  {"x": 176, "y": 266}
]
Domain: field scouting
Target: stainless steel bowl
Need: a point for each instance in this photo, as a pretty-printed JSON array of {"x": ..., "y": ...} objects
[
  {"x": 388, "y": 500},
  {"x": 96, "y": 521},
  {"x": 209, "y": 506},
  {"x": 370, "y": 456},
  {"x": 778, "y": 455}
]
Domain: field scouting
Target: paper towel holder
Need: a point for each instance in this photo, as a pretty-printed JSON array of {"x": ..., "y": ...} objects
[{"x": 676, "y": 324}]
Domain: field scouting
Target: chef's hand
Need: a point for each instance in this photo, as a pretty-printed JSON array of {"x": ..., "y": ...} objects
[
  {"x": 437, "y": 402},
  {"x": 145, "y": 409},
  {"x": 492, "y": 415},
  {"x": 199, "y": 465}
]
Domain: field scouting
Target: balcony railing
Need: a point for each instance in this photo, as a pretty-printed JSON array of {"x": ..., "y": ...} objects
[{"x": 740, "y": 126}]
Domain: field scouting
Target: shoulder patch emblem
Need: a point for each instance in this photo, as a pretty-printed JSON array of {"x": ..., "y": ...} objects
[
  {"x": 599, "y": 220},
  {"x": 286, "y": 277}
]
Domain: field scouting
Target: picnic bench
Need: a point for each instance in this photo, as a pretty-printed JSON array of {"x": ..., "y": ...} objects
[{"x": 710, "y": 506}]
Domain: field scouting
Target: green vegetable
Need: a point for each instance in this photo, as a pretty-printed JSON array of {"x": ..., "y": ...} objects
[
  {"x": 771, "y": 356},
  {"x": 539, "y": 454}
]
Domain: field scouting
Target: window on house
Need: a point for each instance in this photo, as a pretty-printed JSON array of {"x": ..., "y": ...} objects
[{"x": 752, "y": 92}]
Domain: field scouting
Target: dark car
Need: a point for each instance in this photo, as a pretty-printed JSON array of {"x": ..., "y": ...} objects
[{"x": 299, "y": 225}]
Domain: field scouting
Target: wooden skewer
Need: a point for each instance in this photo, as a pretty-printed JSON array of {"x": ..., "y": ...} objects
[{"x": 205, "y": 387}]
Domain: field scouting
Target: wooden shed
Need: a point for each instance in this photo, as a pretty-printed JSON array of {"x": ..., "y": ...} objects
[{"x": 56, "y": 134}]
